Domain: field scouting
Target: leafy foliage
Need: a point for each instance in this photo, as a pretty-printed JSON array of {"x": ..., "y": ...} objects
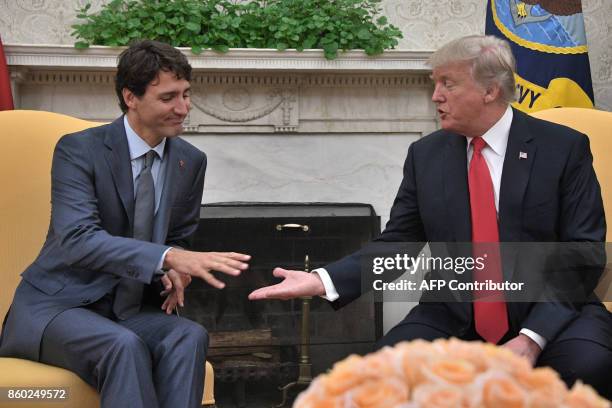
[{"x": 330, "y": 25}]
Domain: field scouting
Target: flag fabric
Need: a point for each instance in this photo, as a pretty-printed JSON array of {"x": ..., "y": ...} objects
[
  {"x": 549, "y": 43},
  {"x": 6, "y": 99}
]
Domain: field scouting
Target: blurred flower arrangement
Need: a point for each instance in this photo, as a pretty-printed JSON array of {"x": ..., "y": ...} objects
[{"x": 444, "y": 374}]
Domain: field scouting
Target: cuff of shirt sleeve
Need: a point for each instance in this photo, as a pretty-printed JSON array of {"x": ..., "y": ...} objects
[
  {"x": 331, "y": 293},
  {"x": 159, "y": 271},
  {"x": 540, "y": 341}
]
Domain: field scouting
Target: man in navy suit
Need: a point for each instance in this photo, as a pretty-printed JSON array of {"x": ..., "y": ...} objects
[
  {"x": 125, "y": 201},
  {"x": 491, "y": 174}
]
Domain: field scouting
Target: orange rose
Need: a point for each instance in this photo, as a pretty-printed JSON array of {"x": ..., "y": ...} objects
[
  {"x": 312, "y": 400},
  {"x": 499, "y": 358},
  {"x": 381, "y": 364},
  {"x": 379, "y": 393},
  {"x": 498, "y": 390},
  {"x": 413, "y": 357},
  {"x": 345, "y": 375},
  {"x": 438, "y": 396},
  {"x": 545, "y": 387},
  {"x": 471, "y": 351},
  {"x": 584, "y": 396},
  {"x": 539, "y": 399},
  {"x": 456, "y": 372}
]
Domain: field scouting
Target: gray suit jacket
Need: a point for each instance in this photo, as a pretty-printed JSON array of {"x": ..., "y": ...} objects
[{"x": 89, "y": 246}]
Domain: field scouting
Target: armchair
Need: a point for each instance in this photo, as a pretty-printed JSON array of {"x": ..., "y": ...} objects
[
  {"x": 597, "y": 125},
  {"x": 28, "y": 139}
]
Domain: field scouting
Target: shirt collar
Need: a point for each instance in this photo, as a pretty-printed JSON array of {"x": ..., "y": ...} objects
[
  {"x": 497, "y": 135},
  {"x": 138, "y": 146}
]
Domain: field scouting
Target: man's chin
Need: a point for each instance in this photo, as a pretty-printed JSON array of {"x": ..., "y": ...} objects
[
  {"x": 446, "y": 125},
  {"x": 174, "y": 130}
]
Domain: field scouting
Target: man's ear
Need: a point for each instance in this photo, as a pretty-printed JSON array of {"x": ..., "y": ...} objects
[
  {"x": 492, "y": 93},
  {"x": 129, "y": 98}
]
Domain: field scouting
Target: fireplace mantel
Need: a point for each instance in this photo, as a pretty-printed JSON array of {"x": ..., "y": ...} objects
[
  {"x": 66, "y": 57},
  {"x": 250, "y": 91}
]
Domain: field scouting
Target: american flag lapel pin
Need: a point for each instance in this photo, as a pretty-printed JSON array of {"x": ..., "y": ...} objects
[
  {"x": 522, "y": 155},
  {"x": 181, "y": 164}
]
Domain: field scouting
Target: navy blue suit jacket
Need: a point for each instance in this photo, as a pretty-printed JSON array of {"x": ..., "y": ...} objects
[
  {"x": 89, "y": 246},
  {"x": 552, "y": 195}
]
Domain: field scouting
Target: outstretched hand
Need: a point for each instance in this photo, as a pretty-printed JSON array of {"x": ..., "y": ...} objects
[
  {"x": 202, "y": 264},
  {"x": 295, "y": 284}
]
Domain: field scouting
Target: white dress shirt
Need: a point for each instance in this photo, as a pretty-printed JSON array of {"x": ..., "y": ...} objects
[{"x": 494, "y": 153}]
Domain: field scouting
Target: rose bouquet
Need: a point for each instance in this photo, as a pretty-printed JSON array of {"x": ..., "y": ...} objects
[{"x": 444, "y": 374}]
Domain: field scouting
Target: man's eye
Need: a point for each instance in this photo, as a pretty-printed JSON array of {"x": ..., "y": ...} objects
[{"x": 166, "y": 98}]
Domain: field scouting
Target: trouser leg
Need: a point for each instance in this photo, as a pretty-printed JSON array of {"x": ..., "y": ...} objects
[
  {"x": 578, "y": 359},
  {"x": 178, "y": 350},
  {"x": 108, "y": 356}
]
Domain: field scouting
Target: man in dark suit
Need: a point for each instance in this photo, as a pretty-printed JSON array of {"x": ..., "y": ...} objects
[
  {"x": 125, "y": 200},
  {"x": 491, "y": 174}
]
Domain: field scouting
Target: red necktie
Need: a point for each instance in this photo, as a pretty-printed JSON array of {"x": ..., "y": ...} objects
[{"x": 490, "y": 315}]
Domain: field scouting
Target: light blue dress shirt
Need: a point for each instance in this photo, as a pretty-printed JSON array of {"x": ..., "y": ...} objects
[{"x": 138, "y": 148}]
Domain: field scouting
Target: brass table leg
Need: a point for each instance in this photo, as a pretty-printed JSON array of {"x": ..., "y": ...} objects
[{"x": 305, "y": 373}]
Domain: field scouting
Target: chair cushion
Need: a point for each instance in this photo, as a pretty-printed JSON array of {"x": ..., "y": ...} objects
[
  {"x": 19, "y": 374},
  {"x": 209, "y": 386}
]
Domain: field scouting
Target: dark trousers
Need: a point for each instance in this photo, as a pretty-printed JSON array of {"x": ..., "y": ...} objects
[
  {"x": 573, "y": 358},
  {"x": 147, "y": 361}
]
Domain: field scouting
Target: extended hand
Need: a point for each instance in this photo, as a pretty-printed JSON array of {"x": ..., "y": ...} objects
[
  {"x": 201, "y": 264},
  {"x": 523, "y": 346},
  {"x": 295, "y": 284},
  {"x": 174, "y": 290}
]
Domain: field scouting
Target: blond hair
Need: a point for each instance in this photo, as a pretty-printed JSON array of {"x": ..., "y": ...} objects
[{"x": 490, "y": 58}]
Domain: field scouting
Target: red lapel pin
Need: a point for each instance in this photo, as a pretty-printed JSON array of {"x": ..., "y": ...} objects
[{"x": 181, "y": 163}]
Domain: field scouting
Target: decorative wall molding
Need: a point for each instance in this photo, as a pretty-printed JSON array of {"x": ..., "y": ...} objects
[
  {"x": 53, "y": 77},
  {"x": 237, "y": 111},
  {"x": 244, "y": 91},
  {"x": 50, "y": 76},
  {"x": 430, "y": 24}
]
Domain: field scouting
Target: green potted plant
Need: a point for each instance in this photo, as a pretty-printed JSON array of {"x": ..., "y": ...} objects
[{"x": 330, "y": 25}]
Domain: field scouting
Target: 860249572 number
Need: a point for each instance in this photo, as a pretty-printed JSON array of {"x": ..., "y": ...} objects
[{"x": 33, "y": 393}]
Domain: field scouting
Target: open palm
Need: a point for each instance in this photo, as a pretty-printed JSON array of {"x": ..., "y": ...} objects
[{"x": 295, "y": 284}]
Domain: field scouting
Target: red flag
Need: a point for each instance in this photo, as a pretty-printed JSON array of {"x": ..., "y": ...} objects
[{"x": 6, "y": 99}]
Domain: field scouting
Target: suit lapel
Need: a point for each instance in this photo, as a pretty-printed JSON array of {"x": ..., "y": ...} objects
[
  {"x": 520, "y": 155},
  {"x": 173, "y": 175},
  {"x": 457, "y": 201},
  {"x": 117, "y": 156},
  {"x": 456, "y": 193}
]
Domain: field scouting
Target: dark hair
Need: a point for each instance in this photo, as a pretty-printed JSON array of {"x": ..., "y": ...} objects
[{"x": 141, "y": 63}]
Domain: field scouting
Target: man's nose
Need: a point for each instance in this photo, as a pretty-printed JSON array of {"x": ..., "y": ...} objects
[
  {"x": 182, "y": 106},
  {"x": 437, "y": 96}
]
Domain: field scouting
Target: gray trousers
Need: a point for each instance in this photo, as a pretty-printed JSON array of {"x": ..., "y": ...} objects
[{"x": 147, "y": 361}]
